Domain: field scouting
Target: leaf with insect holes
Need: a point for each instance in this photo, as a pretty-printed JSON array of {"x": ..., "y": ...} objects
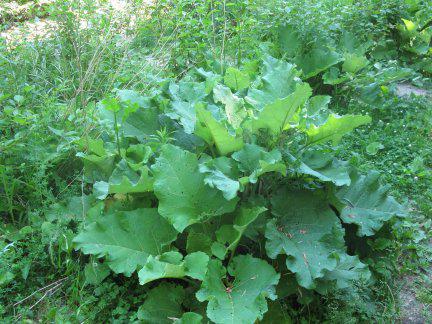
[
  {"x": 334, "y": 128},
  {"x": 163, "y": 304},
  {"x": 276, "y": 117},
  {"x": 303, "y": 230},
  {"x": 279, "y": 80},
  {"x": 127, "y": 238},
  {"x": 215, "y": 133},
  {"x": 244, "y": 299},
  {"x": 366, "y": 203},
  {"x": 184, "y": 198},
  {"x": 172, "y": 265}
]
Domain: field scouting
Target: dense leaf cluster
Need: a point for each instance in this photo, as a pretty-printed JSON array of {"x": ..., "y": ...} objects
[{"x": 230, "y": 184}]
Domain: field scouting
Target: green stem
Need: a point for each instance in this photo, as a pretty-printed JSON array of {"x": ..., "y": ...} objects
[
  {"x": 116, "y": 133},
  {"x": 213, "y": 153},
  {"x": 232, "y": 254}
]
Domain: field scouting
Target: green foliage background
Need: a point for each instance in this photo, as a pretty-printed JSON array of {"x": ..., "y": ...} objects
[{"x": 223, "y": 161}]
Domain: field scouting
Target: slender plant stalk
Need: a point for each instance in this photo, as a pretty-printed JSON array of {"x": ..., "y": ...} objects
[{"x": 116, "y": 133}]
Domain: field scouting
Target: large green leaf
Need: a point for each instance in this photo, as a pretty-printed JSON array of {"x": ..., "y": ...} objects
[
  {"x": 184, "y": 112},
  {"x": 348, "y": 270},
  {"x": 163, "y": 304},
  {"x": 172, "y": 265},
  {"x": 187, "y": 91},
  {"x": 137, "y": 155},
  {"x": 222, "y": 173},
  {"x": 236, "y": 79},
  {"x": 124, "y": 180},
  {"x": 234, "y": 106},
  {"x": 324, "y": 166},
  {"x": 354, "y": 62},
  {"x": 189, "y": 318},
  {"x": 279, "y": 81},
  {"x": 303, "y": 230},
  {"x": 367, "y": 203},
  {"x": 127, "y": 238},
  {"x": 215, "y": 133},
  {"x": 197, "y": 241},
  {"x": 334, "y": 76},
  {"x": 184, "y": 97},
  {"x": 334, "y": 128},
  {"x": 316, "y": 61},
  {"x": 184, "y": 198},
  {"x": 228, "y": 236},
  {"x": 317, "y": 110},
  {"x": 276, "y": 117},
  {"x": 244, "y": 299},
  {"x": 139, "y": 118},
  {"x": 95, "y": 272},
  {"x": 255, "y": 161},
  {"x": 289, "y": 40},
  {"x": 141, "y": 124},
  {"x": 98, "y": 162}
]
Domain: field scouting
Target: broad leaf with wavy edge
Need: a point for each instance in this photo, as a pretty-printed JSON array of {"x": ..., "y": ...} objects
[
  {"x": 234, "y": 106},
  {"x": 127, "y": 238},
  {"x": 316, "y": 61},
  {"x": 323, "y": 166},
  {"x": 222, "y": 173},
  {"x": 184, "y": 97},
  {"x": 229, "y": 236},
  {"x": 255, "y": 161},
  {"x": 334, "y": 128},
  {"x": 189, "y": 318},
  {"x": 163, "y": 304},
  {"x": 184, "y": 198},
  {"x": 215, "y": 133},
  {"x": 244, "y": 299},
  {"x": 236, "y": 79},
  {"x": 172, "y": 265},
  {"x": 276, "y": 117},
  {"x": 279, "y": 80},
  {"x": 367, "y": 203},
  {"x": 348, "y": 270},
  {"x": 124, "y": 180},
  {"x": 304, "y": 222}
]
